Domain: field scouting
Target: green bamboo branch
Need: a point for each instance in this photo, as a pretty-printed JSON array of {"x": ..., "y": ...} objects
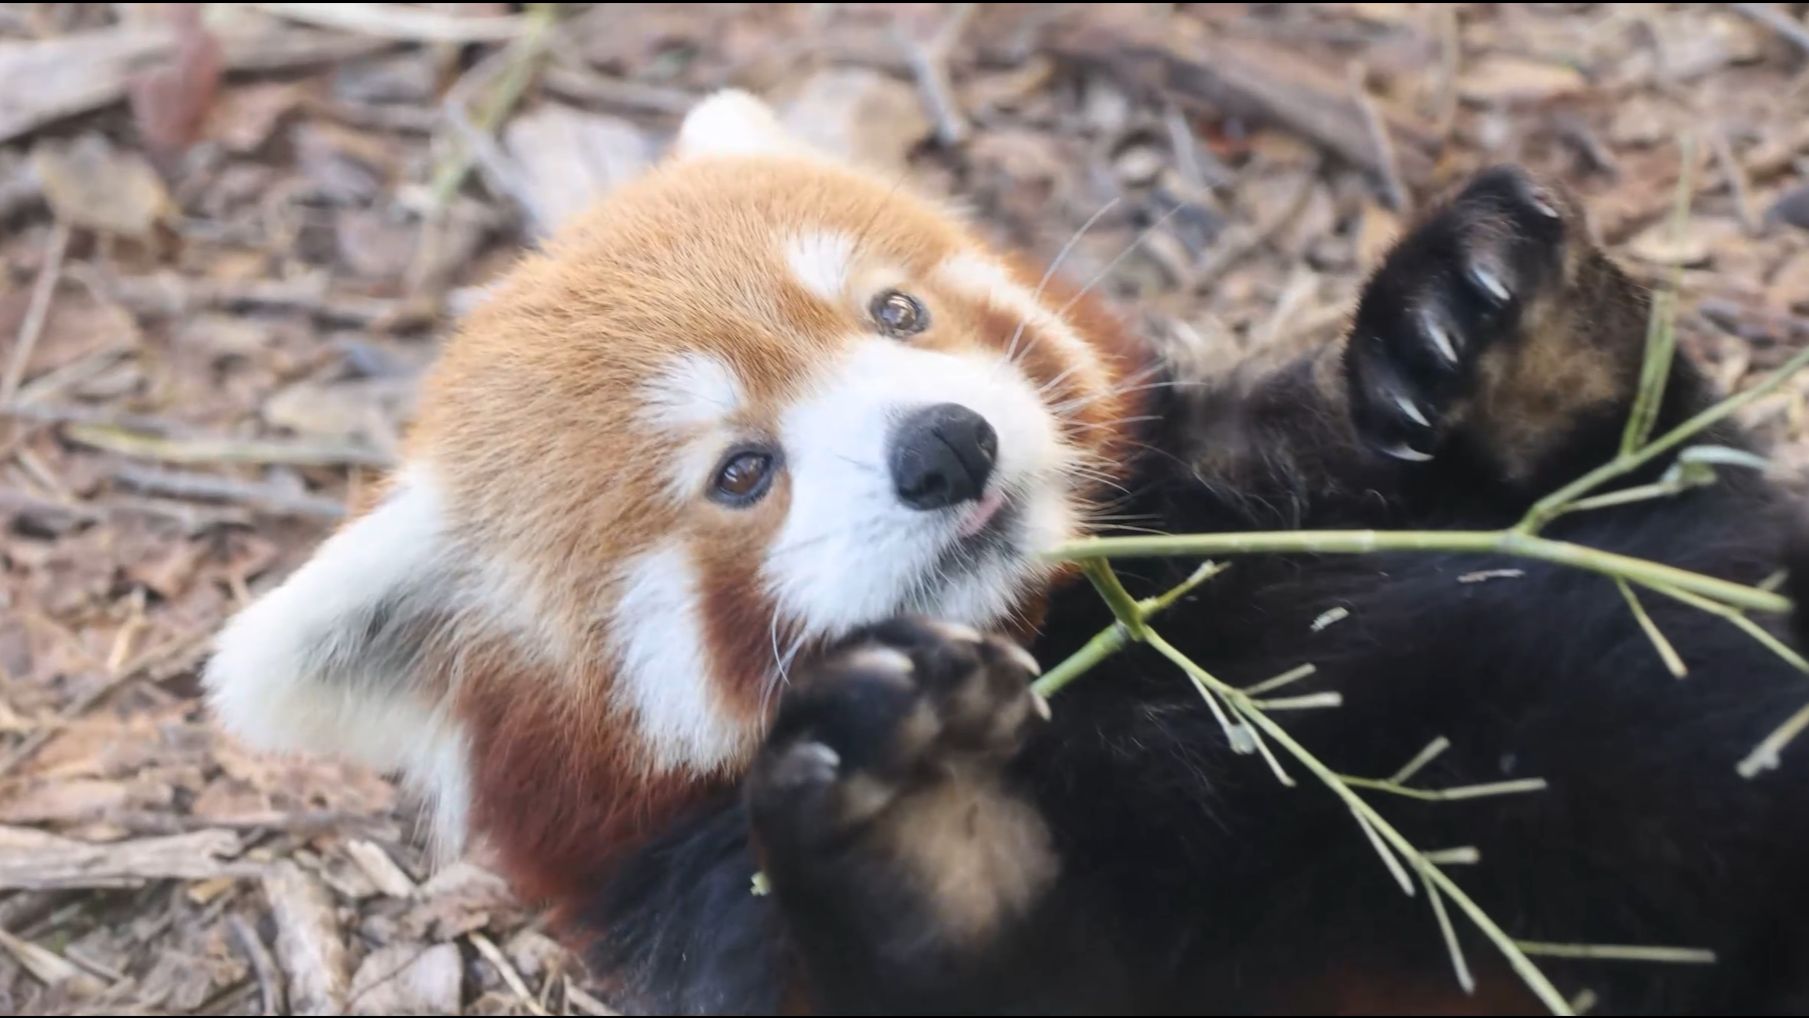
[
  {"x": 1625, "y": 496},
  {"x": 1132, "y": 617},
  {"x": 1113, "y": 638},
  {"x": 1673, "y": 661},
  {"x": 1549, "y": 507},
  {"x": 1420, "y": 760},
  {"x": 1620, "y": 952},
  {"x": 1286, "y": 678},
  {"x": 1516, "y": 959},
  {"x": 1738, "y": 618},
  {"x": 1661, "y": 323},
  {"x": 1764, "y": 756},
  {"x": 1512, "y": 542},
  {"x": 1453, "y": 794},
  {"x": 1459, "y": 966}
]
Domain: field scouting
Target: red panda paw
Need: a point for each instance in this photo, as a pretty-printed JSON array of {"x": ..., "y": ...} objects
[
  {"x": 882, "y": 802},
  {"x": 907, "y": 708}
]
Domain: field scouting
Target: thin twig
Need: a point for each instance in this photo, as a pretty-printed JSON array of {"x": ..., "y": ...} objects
[
  {"x": 166, "y": 294},
  {"x": 1388, "y": 169},
  {"x": 1736, "y": 182},
  {"x": 498, "y": 961},
  {"x": 270, "y": 985},
  {"x": 1450, "y": 47},
  {"x": 513, "y": 72},
  {"x": 170, "y": 650},
  {"x": 929, "y": 64},
  {"x": 265, "y": 496},
  {"x": 299, "y": 453},
  {"x": 406, "y": 22},
  {"x": 37, "y": 313},
  {"x": 1774, "y": 18},
  {"x": 1668, "y": 653},
  {"x": 569, "y": 77}
]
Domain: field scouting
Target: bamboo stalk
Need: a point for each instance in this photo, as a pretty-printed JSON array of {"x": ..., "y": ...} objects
[{"x": 1481, "y": 542}]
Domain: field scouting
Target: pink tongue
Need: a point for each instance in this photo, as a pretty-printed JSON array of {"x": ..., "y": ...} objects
[{"x": 983, "y": 513}]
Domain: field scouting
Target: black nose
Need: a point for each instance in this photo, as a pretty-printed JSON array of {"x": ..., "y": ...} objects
[{"x": 942, "y": 456}]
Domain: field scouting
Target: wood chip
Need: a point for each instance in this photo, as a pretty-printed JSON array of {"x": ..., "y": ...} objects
[
  {"x": 383, "y": 872},
  {"x": 408, "y": 979},
  {"x": 270, "y": 984},
  {"x": 46, "y": 80},
  {"x": 1250, "y": 77},
  {"x": 309, "y": 944},
  {"x": 1509, "y": 80},
  {"x": 512, "y": 978},
  {"x": 47, "y": 966},
  {"x": 37, "y": 860}
]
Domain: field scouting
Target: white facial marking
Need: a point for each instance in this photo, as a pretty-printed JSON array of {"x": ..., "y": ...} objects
[
  {"x": 664, "y": 677},
  {"x": 984, "y": 279},
  {"x": 820, "y": 261},
  {"x": 850, "y": 552},
  {"x": 298, "y": 670},
  {"x": 693, "y": 398},
  {"x": 693, "y": 390}
]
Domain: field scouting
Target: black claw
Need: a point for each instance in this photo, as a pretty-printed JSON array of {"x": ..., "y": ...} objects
[{"x": 1453, "y": 287}]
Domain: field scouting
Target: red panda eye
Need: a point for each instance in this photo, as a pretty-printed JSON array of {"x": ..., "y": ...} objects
[
  {"x": 743, "y": 478},
  {"x": 899, "y": 314}
]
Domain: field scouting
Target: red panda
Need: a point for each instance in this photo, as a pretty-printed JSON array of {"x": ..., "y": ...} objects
[{"x": 720, "y": 541}]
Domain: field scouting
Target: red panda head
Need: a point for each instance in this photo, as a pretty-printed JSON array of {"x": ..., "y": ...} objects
[{"x": 751, "y": 401}]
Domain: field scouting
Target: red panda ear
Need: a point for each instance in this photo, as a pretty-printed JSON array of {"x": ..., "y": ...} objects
[
  {"x": 733, "y": 123},
  {"x": 334, "y": 661}
]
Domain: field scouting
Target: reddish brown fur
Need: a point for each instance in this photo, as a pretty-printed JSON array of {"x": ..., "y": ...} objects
[{"x": 559, "y": 791}]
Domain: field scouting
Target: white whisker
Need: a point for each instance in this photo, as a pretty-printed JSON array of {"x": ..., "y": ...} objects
[
  {"x": 1113, "y": 264},
  {"x": 1049, "y": 273}
]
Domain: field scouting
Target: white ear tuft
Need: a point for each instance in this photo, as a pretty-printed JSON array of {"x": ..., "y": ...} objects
[
  {"x": 732, "y": 123},
  {"x": 330, "y": 661}
]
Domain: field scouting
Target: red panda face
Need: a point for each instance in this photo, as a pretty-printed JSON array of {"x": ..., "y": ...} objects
[{"x": 752, "y": 401}]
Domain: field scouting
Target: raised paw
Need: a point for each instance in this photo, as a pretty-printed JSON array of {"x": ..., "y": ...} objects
[
  {"x": 1494, "y": 316},
  {"x": 893, "y": 709}
]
